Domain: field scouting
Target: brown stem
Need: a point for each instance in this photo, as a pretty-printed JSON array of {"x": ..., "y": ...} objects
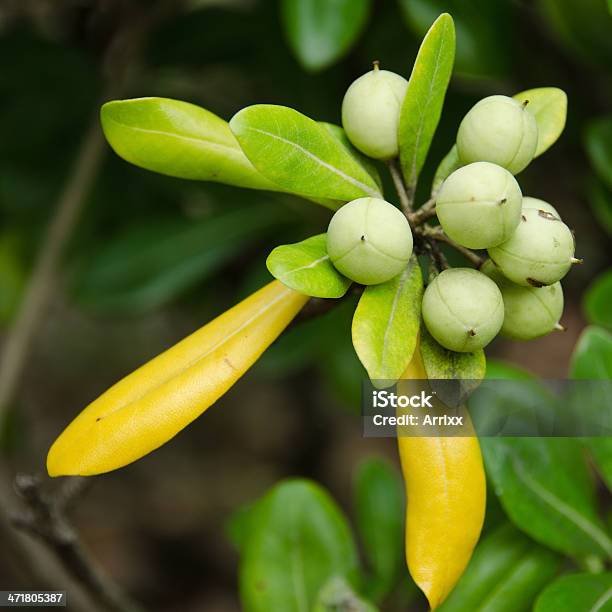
[
  {"x": 421, "y": 215},
  {"x": 45, "y": 518},
  {"x": 402, "y": 191},
  {"x": 437, "y": 234}
]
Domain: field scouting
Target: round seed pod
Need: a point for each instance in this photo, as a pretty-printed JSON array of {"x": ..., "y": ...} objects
[
  {"x": 371, "y": 110},
  {"x": 479, "y": 205},
  {"x": 529, "y": 312},
  {"x": 369, "y": 241},
  {"x": 500, "y": 130},
  {"x": 463, "y": 309},
  {"x": 538, "y": 204},
  {"x": 540, "y": 252}
]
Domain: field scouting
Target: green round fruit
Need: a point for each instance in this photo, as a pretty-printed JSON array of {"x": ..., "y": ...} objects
[
  {"x": 463, "y": 309},
  {"x": 540, "y": 205},
  {"x": 371, "y": 110},
  {"x": 540, "y": 252},
  {"x": 500, "y": 130},
  {"x": 369, "y": 241},
  {"x": 479, "y": 205},
  {"x": 529, "y": 312}
]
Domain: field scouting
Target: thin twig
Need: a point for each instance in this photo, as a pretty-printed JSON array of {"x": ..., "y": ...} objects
[
  {"x": 400, "y": 187},
  {"x": 45, "y": 518},
  {"x": 437, "y": 234},
  {"x": 421, "y": 215}
]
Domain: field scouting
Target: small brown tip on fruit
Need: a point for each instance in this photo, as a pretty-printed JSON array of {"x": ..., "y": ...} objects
[
  {"x": 535, "y": 283},
  {"x": 503, "y": 200},
  {"x": 525, "y": 103},
  {"x": 546, "y": 215},
  {"x": 471, "y": 332},
  {"x": 576, "y": 261},
  {"x": 523, "y": 217},
  {"x": 362, "y": 238},
  {"x": 376, "y": 65},
  {"x": 560, "y": 327}
]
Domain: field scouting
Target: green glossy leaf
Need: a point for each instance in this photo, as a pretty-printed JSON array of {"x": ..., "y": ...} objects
[
  {"x": 379, "y": 509},
  {"x": 549, "y": 107},
  {"x": 386, "y": 324},
  {"x": 545, "y": 488},
  {"x": 446, "y": 167},
  {"x": 368, "y": 164},
  {"x": 152, "y": 263},
  {"x": 320, "y": 31},
  {"x": 598, "y": 143},
  {"x": 300, "y": 154},
  {"x": 601, "y": 451},
  {"x": 424, "y": 99},
  {"x": 505, "y": 574},
  {"x": 442, "y": 364},
  {"x": 578, "y": 593},
  {"x": 592, "y": 357},
  {"x": 300, "y": 540},
  {"x": 305, "y": 266},
  {"x": 598, "y": 300},
  {"x": 178, "y": 139},
  {"x": 600, "y": 201},
  {"x": 484, "y": 32},
  {"x": 338, "y": 596},
  {"x": 501, "y": 370}
]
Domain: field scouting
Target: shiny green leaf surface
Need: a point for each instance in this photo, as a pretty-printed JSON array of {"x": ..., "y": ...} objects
[{"x": 578, "y": 593}]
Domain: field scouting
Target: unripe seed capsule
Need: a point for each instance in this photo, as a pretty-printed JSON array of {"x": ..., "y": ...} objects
[
  {"x": 500, "y": 130},
  {"x": 463, "y": 309},
  {"x": 529, "y": 312},
  {"x": 540, "y": 252},
  {"x": 369, "y": 241},
  {"x": 371, "y": 110},
  {"x": 479, "y": 205},
  {"x": 538, "y": 204}
]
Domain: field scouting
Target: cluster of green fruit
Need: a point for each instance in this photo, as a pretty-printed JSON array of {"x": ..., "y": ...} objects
[{"x": 479, "y": 206}]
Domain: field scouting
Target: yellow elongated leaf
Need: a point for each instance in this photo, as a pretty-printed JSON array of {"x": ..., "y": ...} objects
[{"x": 152, "y": 404}]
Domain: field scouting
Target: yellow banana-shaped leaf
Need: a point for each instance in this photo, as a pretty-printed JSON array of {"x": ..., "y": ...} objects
[
  {"x": 151, "y": 405},
  {"x": 446, "y": 495}
]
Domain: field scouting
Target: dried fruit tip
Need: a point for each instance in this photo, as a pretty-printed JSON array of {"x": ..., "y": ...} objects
[{"x": 560, "y": 327}]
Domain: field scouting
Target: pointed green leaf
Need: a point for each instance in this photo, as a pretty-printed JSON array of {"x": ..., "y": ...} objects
[
  {"x": 578, "y": 593},
  {"x": 450, "y": 162},
  {"x": 338, "y": 596},
  {"x": 300, "y": 539},
  {"x": 505, "y": 574},
  {"x": 379, "y": 509},
  {"x": 178, "y": 139},
  {"x": 545, "y": 488},
  {"x": 601, "y": 450},
  {"x": 319, "y": 31},
  {"x": 386, "y": 324},
  {"x": 299, "y": 154},
  {"x": 592, "y": 357},
  {"x": 599, "y": 147},
  {"x": 305, "y": 266},
  {"x": 424, "y": 99},
  {"x": 598, "y": 299},
  {"x": 549, "y": 107}
]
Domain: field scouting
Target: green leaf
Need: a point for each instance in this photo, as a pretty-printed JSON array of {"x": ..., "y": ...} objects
[
  {"x": 319, "y": 31},
  {"x": 598, "y": 142},
  {"x": 601, "y": 450},
  {"x": 424, "y": 99},
  {"x": 379, "y": 509},
  {"x": 367, "y": 163},
  {"x": 545, "y": 488},
  {"x": 592, "y": 357},
  {"x": 299, "y": 154},
  {"x": 446, "y": 167},
  {"x": 600, "y": 201},
  {"x": 442, "y": 364},
  {"x": 386, "y": 324},
  {"x": 484, "y": 32},
  {"x": 152, "y": 263},
  {"x": 549, "y": 107},
  {"x": 598, "y": 299},
  {"x": 338, "y": 596},
  {"x": 305, "y": 266},
  {"x": 178, "y": 139},
  {"x": 500, "y": 370},
  {"x": 239, "y": 525},
  {"x": 505, "y": 574},
  {"x": 300, "y": 540},
  {"x": 578, "y": 593}
]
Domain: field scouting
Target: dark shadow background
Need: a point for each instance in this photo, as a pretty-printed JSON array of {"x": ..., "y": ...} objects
[{"x": 158, "y": 525}]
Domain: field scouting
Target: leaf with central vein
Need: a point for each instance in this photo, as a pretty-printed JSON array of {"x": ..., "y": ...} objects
[
  {"x": 306, "y": 267},
  {"x": 450, "y": 162},
  {"x": 386, "y": 324},
  {"x": 578, "y": 593},
  {"x": 299, "y": 154},
  {"x": 424, "y": 99},
  {"x": 178, "y": 139},
  {"x": 549, "y": 107}
]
